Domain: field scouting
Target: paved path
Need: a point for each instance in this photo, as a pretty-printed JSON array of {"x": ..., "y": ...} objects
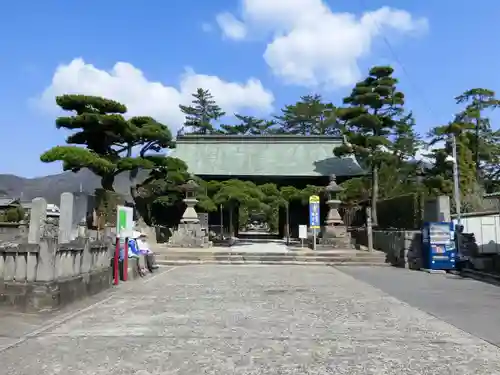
[
  {"x": 251, "y": 320},
  {"x": 468, "y": 304}
]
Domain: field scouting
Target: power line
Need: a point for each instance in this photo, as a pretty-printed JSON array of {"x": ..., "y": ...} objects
[{"x": 416, "y": 88}]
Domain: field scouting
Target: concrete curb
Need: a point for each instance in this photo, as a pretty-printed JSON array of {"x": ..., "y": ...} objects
[{"x": 480, "y": 276}]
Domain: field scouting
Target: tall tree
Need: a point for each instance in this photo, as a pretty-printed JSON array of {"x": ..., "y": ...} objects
[
  {"x": 201, "y": 115},
  {"x": 106, "y": 143},
  {"x": 440, "y": 176},
  {"x": 476, "y": 125},
  {"x": 309, "y": 116},
  {"x": 406, "y": 141},
  {"x": 103, "y": 139},
  {"x": 371, "y": 115}
]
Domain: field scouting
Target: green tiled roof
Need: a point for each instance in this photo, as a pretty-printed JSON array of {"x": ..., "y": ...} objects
[{"x": 284, "y": 155}]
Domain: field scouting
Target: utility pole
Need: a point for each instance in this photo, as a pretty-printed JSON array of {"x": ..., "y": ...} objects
[
  {"x": 369, "y": 229},
  {"x": 456, "y": 192},
  {"x": 456, "y": 180}
]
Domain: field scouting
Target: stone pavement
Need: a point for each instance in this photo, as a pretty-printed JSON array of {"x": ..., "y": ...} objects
[
  {"x": 250, "y": 320},
  {"x": 468, "y": 304}
]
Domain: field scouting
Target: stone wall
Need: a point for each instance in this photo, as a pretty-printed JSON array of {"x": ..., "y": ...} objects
[
  {"x": 403, "y": 247},
  {"x": 53, "y": 264}
]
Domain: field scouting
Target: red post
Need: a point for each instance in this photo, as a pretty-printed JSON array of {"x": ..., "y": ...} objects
[
  {"x": 125, "y": 261},
  {"x": 116, "y": 261}
]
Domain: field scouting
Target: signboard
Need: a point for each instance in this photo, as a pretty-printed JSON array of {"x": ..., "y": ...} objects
[
  {"x": 124, "y": 221},
  {"x": 314, "y": 212},
  {"x": 303, "y": 232}
]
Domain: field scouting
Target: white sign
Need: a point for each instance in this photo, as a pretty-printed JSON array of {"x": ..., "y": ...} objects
[
  {"x": 303, "y": 231},
  {"x": 124, "y": 221}
]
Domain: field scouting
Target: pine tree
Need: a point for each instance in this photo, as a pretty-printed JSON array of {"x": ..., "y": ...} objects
[
  {"x": 477, "y": 127},
  {"x": 249, "y": 125},
  {"x": 372, "y": 114},
  {"x": 309, "y": 116},
  {"x": 103, "y": 140},
  {"x": 440, "y": 177},
  {"x": 202, "y": 113}
]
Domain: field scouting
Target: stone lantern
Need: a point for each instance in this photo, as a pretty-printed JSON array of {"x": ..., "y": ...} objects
[
  {"x": 334, "y": 231},
  {"x": 189, "y": 232},
  {"x": 190, "y": 216}
]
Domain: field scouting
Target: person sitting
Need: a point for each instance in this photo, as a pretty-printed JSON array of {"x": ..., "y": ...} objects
[{"x": 145, "y": 249}]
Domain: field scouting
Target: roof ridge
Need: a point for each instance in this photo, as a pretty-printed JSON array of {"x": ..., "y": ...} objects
[{"x": 260, "y": 139}]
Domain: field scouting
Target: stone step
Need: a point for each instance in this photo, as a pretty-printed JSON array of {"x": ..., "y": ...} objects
[
  {"x": 288, "y": 254},
  {"x": 270, "y": 262},
  {"x": 277, "y": 257},
  {"x": 221, "y": 257},
  {"x": 273, "y": 260}
]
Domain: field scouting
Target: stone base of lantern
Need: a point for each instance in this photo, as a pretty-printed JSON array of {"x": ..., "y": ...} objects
[
  {"x": 335, "y": 237},
  {"x": 189, "y": 235}
]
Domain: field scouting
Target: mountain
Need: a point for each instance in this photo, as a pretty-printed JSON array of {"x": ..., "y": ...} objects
[{"x": 51, "y": 187}]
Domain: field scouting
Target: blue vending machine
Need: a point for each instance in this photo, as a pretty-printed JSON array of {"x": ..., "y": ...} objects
[{"x": 438, "y": 250}]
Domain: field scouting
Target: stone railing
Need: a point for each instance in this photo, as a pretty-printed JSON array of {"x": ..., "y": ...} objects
[
  {"x": 403, "y": 247},
  {"x": 47, "y": 261},
  {"x": 52, "y": 264}
]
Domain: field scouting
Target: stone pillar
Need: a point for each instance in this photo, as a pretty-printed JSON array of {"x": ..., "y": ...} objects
[
  {"x": 38, "y": 217},
  {"x": 66, "y": 218},
  {"x": 437, "y": 209},
  {"x": 86, "y": 263},
  {"x": 45, "y": 234}
]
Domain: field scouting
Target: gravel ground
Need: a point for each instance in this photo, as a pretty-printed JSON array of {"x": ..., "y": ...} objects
[{"x": 251, "y": 320}]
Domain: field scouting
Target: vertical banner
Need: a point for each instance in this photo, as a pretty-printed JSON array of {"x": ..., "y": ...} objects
[{"x": 314, "y": 212}]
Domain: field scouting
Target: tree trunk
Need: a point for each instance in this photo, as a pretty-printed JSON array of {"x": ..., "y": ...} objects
[
  {"x": 107, "y": 182},
  {"x": 140, "y": 209},
  {"x": 374, "y": 199},
  {"x": 231, "y": 209}
]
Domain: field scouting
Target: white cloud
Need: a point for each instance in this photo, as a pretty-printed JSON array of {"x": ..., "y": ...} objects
[
  {"x": 128, "y": 85},
  {"x": 233, "y": 28},
  {"x": 312, "y": 45}
]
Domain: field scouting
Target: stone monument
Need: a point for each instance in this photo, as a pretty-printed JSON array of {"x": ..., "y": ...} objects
[
  {"x": 334, "y": 233},
  {"x": 189, "y": 233}
]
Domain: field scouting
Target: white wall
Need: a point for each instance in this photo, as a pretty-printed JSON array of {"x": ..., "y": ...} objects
[{"x": 487, "y": 231}]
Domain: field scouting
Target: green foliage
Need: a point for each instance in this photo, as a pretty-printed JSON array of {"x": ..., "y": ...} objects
[
  {"x": 309, "y": 116},
  {"x": 237, "y": 192},
  {"x": 163, "y": 190},
  {"x": 249, "y": 125},
  {"x": 481, "y": 139},
  {"x": 478, "y": 149},
  {"x": 405, "y": 211},
  {"x": 375, "y": 125},
  {"x": 202, "y": 113},
  {"x": 13, "y": 214},
  {"x": 103, "y": 140}
]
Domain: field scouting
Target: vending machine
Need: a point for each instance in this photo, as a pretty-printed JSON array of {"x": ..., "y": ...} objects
[{"x": 438, "y": 246}]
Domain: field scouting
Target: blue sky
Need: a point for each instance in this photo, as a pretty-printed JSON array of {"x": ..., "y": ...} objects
[{"x": 181, "y": 45}]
